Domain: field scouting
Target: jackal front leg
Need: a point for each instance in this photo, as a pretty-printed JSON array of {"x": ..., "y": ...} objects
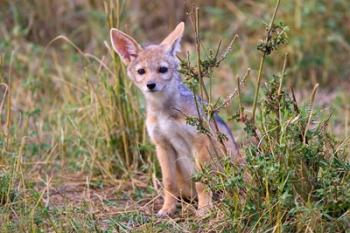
[
  {"x": 167, "y": 160},
  {"x": 203, "y": 192}
]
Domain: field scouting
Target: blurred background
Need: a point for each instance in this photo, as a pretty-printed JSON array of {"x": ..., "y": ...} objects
[{"x": 318, "y": 44}]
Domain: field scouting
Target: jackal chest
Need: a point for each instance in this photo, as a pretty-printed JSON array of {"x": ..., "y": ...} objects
[{"x": 173, "y": 131}]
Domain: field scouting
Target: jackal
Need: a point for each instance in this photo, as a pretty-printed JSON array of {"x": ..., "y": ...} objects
[{"x": 181, "y": 149}]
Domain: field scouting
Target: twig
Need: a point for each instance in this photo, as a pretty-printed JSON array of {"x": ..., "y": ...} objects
[
  {"x": 313, "y": 94},
  {"x": 268, "y": 37}
]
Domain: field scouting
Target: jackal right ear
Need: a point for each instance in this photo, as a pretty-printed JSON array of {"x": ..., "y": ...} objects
[
  {"x": 126, "y": 47},
  {"x": 172, "y": 41}
]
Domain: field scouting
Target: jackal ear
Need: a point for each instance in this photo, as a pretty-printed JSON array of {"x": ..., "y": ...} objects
[
  {"x": 172, "y": 42},
  {"x": 126, "y": 47}
]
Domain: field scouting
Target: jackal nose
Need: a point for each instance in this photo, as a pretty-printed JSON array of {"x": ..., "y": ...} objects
[{"x": 151, "y": 86}]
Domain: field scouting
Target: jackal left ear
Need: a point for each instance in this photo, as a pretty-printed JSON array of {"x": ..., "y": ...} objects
[
  {"x": 124, "y": 45},
  {"x": 172, "y": 42}
]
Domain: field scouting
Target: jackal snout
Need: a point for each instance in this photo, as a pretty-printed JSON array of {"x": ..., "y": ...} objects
[{"x": 151, "y": 85}]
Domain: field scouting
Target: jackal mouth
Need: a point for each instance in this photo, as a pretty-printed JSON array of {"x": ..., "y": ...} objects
[{"x": 152, "y": 91}]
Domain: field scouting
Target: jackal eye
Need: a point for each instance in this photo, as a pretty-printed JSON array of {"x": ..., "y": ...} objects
[
  {"x": 141, "y": 71},
  {"x": 163, "y": 69}
]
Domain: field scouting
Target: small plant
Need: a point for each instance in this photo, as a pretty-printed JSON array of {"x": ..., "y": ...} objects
[
  {"x": 290, "y": 180},
  {"x": 276, "y": 37}
]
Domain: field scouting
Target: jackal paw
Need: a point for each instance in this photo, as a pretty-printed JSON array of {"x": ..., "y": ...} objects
[
  {"x": 166, "y": 212},
  {"x": 203, "y": 211}
]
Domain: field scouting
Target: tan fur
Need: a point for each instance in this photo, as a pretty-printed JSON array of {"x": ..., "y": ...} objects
[{"x": 180, "y": 149}]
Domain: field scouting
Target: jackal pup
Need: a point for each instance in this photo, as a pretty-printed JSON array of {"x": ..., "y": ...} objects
[{"x": 181, "y": 149}]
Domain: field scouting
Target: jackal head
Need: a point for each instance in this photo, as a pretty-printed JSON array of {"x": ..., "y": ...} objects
[{"x": 153, "y": 69}]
